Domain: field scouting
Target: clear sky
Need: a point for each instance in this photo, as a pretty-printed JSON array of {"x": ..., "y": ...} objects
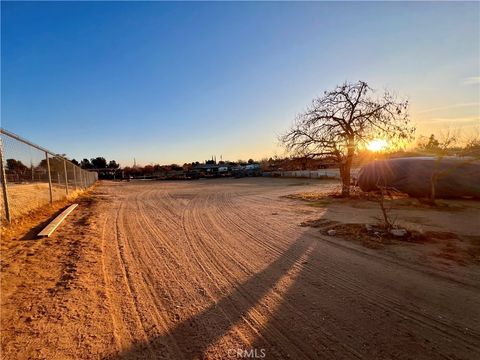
[{"x": 178, "y": 82}]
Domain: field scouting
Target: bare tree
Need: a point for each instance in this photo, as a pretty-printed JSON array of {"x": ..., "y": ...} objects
[
  {"x": 449, "y": 143},
  {"x": 387, "y": 221},
  {"x": 335, "y": 124},
  {"x": 472, "y": 144},
  {"x": 442, "y": 147},
  {"x": 446, "y": 145}
]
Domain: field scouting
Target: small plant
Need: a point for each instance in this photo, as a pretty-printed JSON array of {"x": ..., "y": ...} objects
[{"x": 387, "y": 220}]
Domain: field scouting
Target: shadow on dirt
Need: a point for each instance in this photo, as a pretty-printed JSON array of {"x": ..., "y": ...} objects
[
  {"x": 333, "y": 307},
  {"x": 195, "y": 334}
]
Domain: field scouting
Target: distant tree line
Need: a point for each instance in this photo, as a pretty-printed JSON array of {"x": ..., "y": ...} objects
[
  {"x": 17, "y": 171},
  {"x": 97, "y": 163},
  {"x": 152, "y": 169},
  {"x": 450, "y": 143}
]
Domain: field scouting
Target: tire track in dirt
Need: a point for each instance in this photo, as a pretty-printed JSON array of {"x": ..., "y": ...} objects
[
  {"x": 129, "y": 311},
  {"x": 191, "y": 245},
  {"x": 208, "y": 224},
  {"x": 212, "y": 223},
  {"x": 203, "y": 259},
  {"x": 350, "y": 284},
  {"x": 124, "y": 308},
  {"x": 389, "y": 303},
  {"x": 143, "y": 224},
  {"x": 273, "y": 237},
  {"x": 150, "y": 279}
]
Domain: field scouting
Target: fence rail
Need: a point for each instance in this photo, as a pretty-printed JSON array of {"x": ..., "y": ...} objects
[{"x": 32, "y": 176}]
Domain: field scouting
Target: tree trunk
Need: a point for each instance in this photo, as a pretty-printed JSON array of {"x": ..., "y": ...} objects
[
  {"x": 345, "y": 175},
  {"x": 433, "y": 190},
  {"x": 387, "y": 222},
  {"x": 434, "y": 179},
  {"x": 346, "y": 167}
]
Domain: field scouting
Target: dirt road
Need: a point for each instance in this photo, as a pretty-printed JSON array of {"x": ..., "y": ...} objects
[{"x": 221, "y": 269}]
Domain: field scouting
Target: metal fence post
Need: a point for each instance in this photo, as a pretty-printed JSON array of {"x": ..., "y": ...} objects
[
  {"x": 4, "y": 186},
  {"x": 49, "y": 177},
  {"x": 75, "y": 176},
  {"x": 66, "y": 175}
]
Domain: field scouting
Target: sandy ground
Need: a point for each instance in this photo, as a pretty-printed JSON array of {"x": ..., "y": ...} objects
[{"x": 221, "y": 269}]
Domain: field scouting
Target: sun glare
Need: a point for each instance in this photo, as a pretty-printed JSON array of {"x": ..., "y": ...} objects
[{"x": 377, "y": 145}]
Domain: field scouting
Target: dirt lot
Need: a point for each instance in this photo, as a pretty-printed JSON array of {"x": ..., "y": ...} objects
[{"x": 222, "y": 269}]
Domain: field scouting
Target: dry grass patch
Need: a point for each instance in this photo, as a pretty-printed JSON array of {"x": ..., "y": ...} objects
[
  {"x": 25, "y": 226},
  {"x": 24, "y": 198},
  {"x": 395, "y": 200},
  {"x": 462, "y": 250}
]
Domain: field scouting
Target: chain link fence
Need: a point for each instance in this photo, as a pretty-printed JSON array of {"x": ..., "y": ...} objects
[{"x": 32, "y": 176}]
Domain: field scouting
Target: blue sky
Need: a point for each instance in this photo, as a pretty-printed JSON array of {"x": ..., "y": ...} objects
[{"x": 177, "y": 82}]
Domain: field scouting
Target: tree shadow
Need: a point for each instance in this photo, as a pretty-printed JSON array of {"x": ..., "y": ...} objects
[
  {"x": 192, "y": 336},
  {"x": 301, "y": 325},
  {"x": 334, "y": 308}
]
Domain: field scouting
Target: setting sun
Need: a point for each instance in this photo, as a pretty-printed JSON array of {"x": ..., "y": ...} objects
[{"x": 377, "y": 145}]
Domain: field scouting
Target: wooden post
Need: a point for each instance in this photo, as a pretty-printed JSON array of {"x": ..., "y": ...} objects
[
  {"x": 4, "y": 186},
  {"x": 49, "y": 178},
  {"x": 66, "y": 175}
]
